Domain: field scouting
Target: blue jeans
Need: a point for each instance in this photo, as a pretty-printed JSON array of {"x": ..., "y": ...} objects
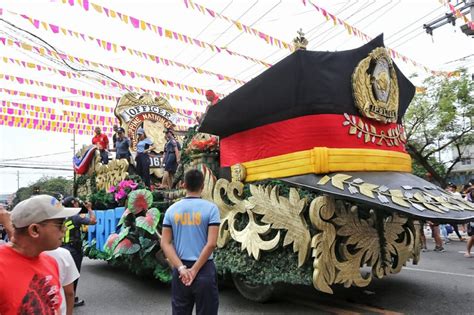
[{"x": 202, "y": 292}]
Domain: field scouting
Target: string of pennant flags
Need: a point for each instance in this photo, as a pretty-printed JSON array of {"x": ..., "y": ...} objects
[
  {"x": 351, "y": 30},
  {"x": 64, "y": 73},
  {"x": 48, "y": 125},
  {"x": 239, "y": 25},
  {"x": 161, "y": 31},
  {"x": 36, "y": 111},
  {"x": 55, "y": 126},
  {"x": 80, "y": 105},
  {"x": 74, "y": 91},
  {"x": 40, "y": 112},
  {"x": 66, "y": 102},
  {"x": 132, "y": 74},
  {"x": 458, "y": 14},
  {"x": 114, "y": 47}
]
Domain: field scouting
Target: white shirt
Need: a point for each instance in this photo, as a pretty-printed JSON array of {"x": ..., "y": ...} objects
[{"x": 67, "y": 271}]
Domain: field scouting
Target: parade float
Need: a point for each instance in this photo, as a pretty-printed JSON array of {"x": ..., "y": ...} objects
[{"x": 313, "y": 186}]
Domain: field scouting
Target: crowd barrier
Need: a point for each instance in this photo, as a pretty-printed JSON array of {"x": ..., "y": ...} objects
[{"x": 106, "y": 224}]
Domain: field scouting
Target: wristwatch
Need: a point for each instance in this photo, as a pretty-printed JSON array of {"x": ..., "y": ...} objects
[{"x": 181, "y": 268}]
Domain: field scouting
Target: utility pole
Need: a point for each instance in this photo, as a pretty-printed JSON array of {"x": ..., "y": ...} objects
[
  {"x": 17, "y": 180},
  {"x": 74, "y": 173}
]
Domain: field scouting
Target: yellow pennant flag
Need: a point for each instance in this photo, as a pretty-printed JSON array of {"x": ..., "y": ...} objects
[
  {"x": 168, "y": 34},
  {"x": 142, "y": 25},
  {"x": 97, "y": 7},
  {"x": 239, "y": 25},
  {"x": 26, "y": 46}
]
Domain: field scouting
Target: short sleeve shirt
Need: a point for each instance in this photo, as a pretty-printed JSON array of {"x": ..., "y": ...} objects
[
  {"x": 141, "y": 145},
  {"x": 122, "y": 147},
  {"x": 68, "y": 272},
  {"x": 189, "y": 220},
  {"x": 28, "y": 285},
  {"x": 101, "y": 141}
]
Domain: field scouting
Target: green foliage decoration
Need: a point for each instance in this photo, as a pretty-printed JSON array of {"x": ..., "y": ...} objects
[
  {"x": 280, "y": 265},
  {"x": 102, "y": 200},
  {"x": 139, "y": 200},
  {"x": 149, "y": 221}
]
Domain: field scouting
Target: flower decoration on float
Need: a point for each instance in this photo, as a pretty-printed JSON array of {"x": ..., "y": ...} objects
[
  {"x": 123, "y": 189},
  {"x": 206, "y": 144}
]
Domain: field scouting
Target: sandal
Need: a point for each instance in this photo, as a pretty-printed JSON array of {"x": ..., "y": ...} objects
[{"x": 467, "y": 255}]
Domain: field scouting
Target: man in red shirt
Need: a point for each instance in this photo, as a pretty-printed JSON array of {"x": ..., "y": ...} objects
[
  {"x": 102, "y": 143},
  {"x": 29, "y": 278}
]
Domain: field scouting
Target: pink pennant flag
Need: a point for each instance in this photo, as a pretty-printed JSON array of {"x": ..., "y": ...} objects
[
  {"x": 106, "y": 11},
  {"x": 44, "y": 98},
  {"x": 85, "y": 4},
  {"x": 186, "y": 3},
  {"x": 71, "y": 2},
  {"x": 135, "y": 22},
  {"x": 212, "y": 13},
  {"x": 54, "y": 28},
  {"x": 20, "y": 80},
  {"x": 109, "y": 46}
]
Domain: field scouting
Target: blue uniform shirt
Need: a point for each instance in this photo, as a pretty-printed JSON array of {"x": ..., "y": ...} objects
[
  {"x": 189, "y": 220},
  {"x": 141, "y": 145}
]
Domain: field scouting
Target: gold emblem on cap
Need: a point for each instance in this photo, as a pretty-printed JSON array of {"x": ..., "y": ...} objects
[{"x": 375, "y": 87}]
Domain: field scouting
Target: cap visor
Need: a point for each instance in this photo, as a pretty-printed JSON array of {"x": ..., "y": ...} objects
[
  {"x": 396, "y": 191},
  {"x": 66, "y": 212}
]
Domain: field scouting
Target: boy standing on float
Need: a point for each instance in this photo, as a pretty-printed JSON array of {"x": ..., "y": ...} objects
[{"x": 190, "y": 229}]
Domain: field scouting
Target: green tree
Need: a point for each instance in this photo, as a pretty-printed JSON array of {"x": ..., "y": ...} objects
[
  {"x": 440, "y": 118},
  {"x": 55, "y": 186}
]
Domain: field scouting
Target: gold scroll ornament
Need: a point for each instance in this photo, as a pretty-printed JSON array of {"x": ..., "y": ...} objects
[{"x": 342, "y": 243}]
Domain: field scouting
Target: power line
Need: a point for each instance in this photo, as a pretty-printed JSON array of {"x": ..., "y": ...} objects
[
  {"x": 406, "y": 27},
  {"x": 62, "y": 60},
  {"x": 327, "y": 36},
  {"x": 33, "y": 157},
  {"x": 38, "y": 167},
  {"x": 221, "y": 34}
]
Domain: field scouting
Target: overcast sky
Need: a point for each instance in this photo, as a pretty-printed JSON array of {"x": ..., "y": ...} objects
[{"x": 401, "y": 22}]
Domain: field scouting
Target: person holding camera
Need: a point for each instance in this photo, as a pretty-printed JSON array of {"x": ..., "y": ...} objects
[{"x": 72, "y": 240}]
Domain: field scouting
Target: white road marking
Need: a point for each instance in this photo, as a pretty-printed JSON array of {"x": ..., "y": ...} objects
[{"x": 439, "y": 272}]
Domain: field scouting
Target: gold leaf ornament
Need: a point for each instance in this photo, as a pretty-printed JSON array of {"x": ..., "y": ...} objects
[
  {"x": 250, "y": 237},
  {"x": 398, "y": 198},
  {"x": 338, "y": 180},
  {"x": 368, "y": 189},
  {"x": 283, "y": 213}
]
